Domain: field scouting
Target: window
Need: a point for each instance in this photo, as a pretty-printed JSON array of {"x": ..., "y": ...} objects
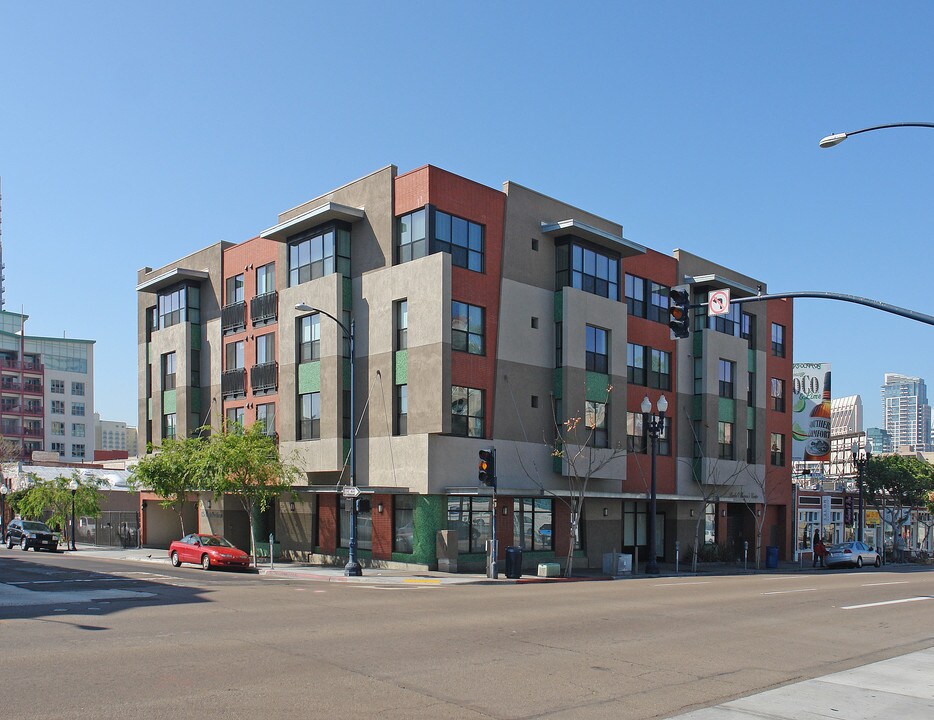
[
  {"x": 58, "y": 407},
  {"x": 58, "y": 447},
  {"x": 401, "y": 316},
  {"x": 710, "y": 523},
  {"x": 180, "y": 303},
  {"x": 635, "y": 295},
  {"x": 265, "y": 348},
  {"x": 364, "y": 526},
  {"x": 587, "y": 269},
  {"x": 470, "y": 518},
  {"x": 411, "y": 237},
  {"x": 751, "y": 390},
  {"x": 751, "y": 447},
  {"x": 234, "y": 355},
  {"x": 57, "y": 387},
  {"x": 402, "y": 410},
  {"x": 778, "y": 340},
  {"x": 233, "y": 290},
  {"x": 597, "y": 350},
  {"x": 635, "y": 364},
  {"x": 319, "y": 253},
  {"x": 235, "y": 418},
  {"x": 595, "y": 420},
  {"x": 309, "y": 338},
  {"x": 58, "y": 428},
  {"x": 748, "y": 329},
  {"x": 310, "y": 419},
  {"x": 266, "y": 415},
  {"x": 533, "y": 524},
  {"x": 168, "y": 371},
  {"x": 727, "y": 371},
  {"x": 777, "y": 445},
  {"x": 195, "y": 368},
  {"x": 77, "y": 451},
  {"x": 77, "y": 388},
  {"x": 77, "y": 429},
  {"x": 636, "y": 438},
  {"x": 729, "y": 323},
  {"x": 403, "y": 523},
  {"x": 558, "y": 344},
  {"x": 266, "y": 279},
  {"x": 659, "y": 369},
  {"x": 461, "y": 238},
  {"x": 466, "y": 412},
  {"x": 168, "y": 426},
  {"x": 466, "y": 328},
  {"x": 725, "y": 438},
  {"x": 658, "y": 302},
  {"x": 77, "y": 408},
  {"x": 778, "y": 395}
]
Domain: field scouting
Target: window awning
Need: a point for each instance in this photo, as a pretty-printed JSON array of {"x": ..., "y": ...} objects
[
  {"x": 173, "y": 276},
  {"x": 716, "y": 282},
  {"x": 626, "y": 248},
  {"x": 322, "y": 214}
]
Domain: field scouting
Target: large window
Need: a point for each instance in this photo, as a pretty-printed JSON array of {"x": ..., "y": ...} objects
[
  {"x": 635, "y": 364},
  {"x": 777, "y": 445},
  {"x": 587, "y": 269},
  {"x": 466, "y": 411},
  {"x": 402, "y": 410},
  {"x": 168, "y": 371},
  {"x": 461, "y": 238},
  {"x": 748, "y": 329},
  {"x": 57, "y": 386},
  {"x": 403, "y": 523},
  {"x": 658, "y": 302},
  {"x": 597, "y": 353},
  {"x": 727, "y": 373},
  {"x": 77, "y": 429},
  {"x": 236, "y": 419},
  {"x": 178, "y": 304},
  {"x": 778, "y": 340},
  {"x": 401, "y": 318},
  {"x": 470, "y": 518},
  {"x": 58, "y": 407},
  {"x": 168, "y": 426},
  {"x": 636, "y": 437},
  {"x": 533, "y": 524},
  {"x": 266, "y": 279},
  {"x": 234, "y": 355},
  {"x": 364, "y": 526},
  {"x": 233, "y": 290},
  {"x": 778, "y": 395},
  {"x": 58, "y": 428},
  {"x": 319, "y": 253},
  {"x": 309, "y": 338},
  {"x": 725, "y": 440},
  {"x": 412, "y": 236},
  {"x": 635, "y": 295},
  {"x": 596, "y": 424},
  {"x": 637, "y": 290},
  {"x": 728, "y": 323},
  {"x": 77, "y": 388},
  {"x": 309, "y": 425},
  {"x": 77, "y": 451},
  {"x": 467, "y": 328}
]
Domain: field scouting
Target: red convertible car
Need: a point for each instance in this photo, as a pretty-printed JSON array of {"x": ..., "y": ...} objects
[{"x": 207, "y": 551}]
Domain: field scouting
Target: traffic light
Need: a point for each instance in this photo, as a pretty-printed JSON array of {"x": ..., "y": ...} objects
[
  {"x": 679, "y": 315},
  {"x": 363, "y": 505},
  {"x": 487, "y": 467}
]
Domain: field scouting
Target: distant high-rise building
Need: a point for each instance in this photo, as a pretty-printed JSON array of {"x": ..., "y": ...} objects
[
  {"x": 880, "y": 439},
  {"x": 906, "y": 411},
  {"x": 846, "y": 415}
]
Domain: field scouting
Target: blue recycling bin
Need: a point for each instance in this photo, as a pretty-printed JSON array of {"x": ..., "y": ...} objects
[{"x": 771, "y": 556}]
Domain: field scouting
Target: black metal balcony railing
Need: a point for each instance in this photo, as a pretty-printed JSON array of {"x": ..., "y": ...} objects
[
  {"x": 264, "y": 308},
  {"x": 233, "y": 317},
  {"x": 233, "y": 382},
  {"x": 33, "y": 432},
  {"x": 264, "y": 377},
  {"x": 28, "y": 365},
  {"x": 33, "y": 388},
  {"x": 32, "y": 409}
]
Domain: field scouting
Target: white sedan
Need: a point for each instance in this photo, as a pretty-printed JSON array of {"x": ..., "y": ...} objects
[{"x": 852, "y": 553}]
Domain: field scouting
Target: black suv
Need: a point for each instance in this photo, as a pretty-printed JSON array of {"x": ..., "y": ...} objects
[{"x": 31, "y": 534}]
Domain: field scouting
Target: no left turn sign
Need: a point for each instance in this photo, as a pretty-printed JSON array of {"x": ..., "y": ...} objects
[{"x": 718, "y": 302}]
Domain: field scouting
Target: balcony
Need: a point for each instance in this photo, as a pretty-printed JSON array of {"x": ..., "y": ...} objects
[
  {"x": 264, "y": 308},
  {"x": 33, "y": 432},
  {"x": 233, "y": 317},
  {"x": 27, "y": 366},
  {"x": 13, "y": 408},
  {"x": 34, "y": 388},
  {"x": 264, "y": 378},
  {"x": 233, "y": 382},
  {"x": 11, "y": 385},
  {"x": 33, "y": 409}
]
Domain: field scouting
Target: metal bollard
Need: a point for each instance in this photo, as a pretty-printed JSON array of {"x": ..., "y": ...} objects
[
  {"x": 677, "y": 555},
  {"x": 271, "y": 565},
  {"x": 745, "y": 555}
]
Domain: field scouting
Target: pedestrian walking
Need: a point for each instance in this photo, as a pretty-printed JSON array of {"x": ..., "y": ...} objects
[{"x": 819, "y": 550}]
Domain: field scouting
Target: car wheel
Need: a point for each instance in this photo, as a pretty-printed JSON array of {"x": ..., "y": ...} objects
[
  {"x": 9, "y": 542},
  {"x": 205, "y": 562},
  {"x": 859, "y": 561},
  {"x": 23, "y": 544},
  {"x": 175, "y": 561},
  {"x": 878, "y": 562}
]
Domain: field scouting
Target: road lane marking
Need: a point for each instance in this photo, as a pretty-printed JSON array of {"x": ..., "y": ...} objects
[
  {"x": 423, "y": 581},
  {"x": 894, "y": 582},
  {"x": 702, "y": 582},
  {"x": 785, "y": 592},
  {"x": 887, "y": 602}
]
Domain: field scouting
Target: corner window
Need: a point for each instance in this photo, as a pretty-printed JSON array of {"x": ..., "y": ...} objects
[
  {"x": 178, "y": 304},
  {"x": 467, "y": 412},
  {"x": 459, "y": 237},
  {"x": 319, "y": 253},
  {"x": 411, "y": 237},
  {"x": 587, "y": 268},
  {"x": 466, "y": 328}
]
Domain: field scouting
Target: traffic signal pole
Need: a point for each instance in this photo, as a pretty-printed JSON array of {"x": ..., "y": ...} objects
[{"x": 885, "y": 307}]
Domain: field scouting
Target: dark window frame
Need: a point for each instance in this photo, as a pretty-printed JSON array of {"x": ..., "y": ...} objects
[{"x": 597, "y": 361}]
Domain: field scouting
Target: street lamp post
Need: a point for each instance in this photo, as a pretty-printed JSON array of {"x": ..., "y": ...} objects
[
  {"x": 352, "y": 568},
  {"x": 837, "y": 138},
  {"x": 655, "y": 425},
  {"x": 3, "y": 491},
  {"x": 861, "y": 458},
  {"x": 74, "y": 491}
]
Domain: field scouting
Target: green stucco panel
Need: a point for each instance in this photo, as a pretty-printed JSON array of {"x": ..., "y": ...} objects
[
  {"x": 750, "y": 418},
  {"x": 195, "y": 396},
  {"x": 726, "y": 410},
  {"x": 168, "y": 402},
  {"x": 195, "y": 336},
  {"x": 309, "y": 378},
  {"x": 597, "y": 387},
  {"x": 559, "y": 306},
  {"x": 401, "y": 370}
]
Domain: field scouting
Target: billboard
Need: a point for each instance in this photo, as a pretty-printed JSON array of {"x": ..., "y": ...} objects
[{"x": 810, "y": 412}]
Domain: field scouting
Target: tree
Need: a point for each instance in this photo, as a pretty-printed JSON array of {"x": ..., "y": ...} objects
[
  {"x": 246, "y": 464},
  {"x": 905, "y": 481},
  {"x": 51, "y": 500},
  {"x": 173, "y": 473}
]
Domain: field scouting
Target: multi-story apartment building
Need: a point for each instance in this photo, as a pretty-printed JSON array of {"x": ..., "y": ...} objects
[
  {"x": 906, "y": 412},
  {"x": 480, "y": 316},
  {"x": 110, "y": 435},
  {"x": 47, "y": 388}
]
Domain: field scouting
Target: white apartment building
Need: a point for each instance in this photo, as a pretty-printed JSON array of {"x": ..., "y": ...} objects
[
  {"x": 111, "y": 435},
  {"x": 846, "y": 415}
]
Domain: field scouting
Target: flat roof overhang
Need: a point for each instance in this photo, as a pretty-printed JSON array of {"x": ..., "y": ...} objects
[
  {"x": 318, "y": 216},
  {"x": 737, "y": 289},
  {"x": 175, "y": 275},
  {"x": 626, "y": 248}
]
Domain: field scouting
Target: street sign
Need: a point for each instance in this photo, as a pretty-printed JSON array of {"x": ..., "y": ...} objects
[
  {"x": 351, "y": 491},
  {"x": 718, "y": 302}
]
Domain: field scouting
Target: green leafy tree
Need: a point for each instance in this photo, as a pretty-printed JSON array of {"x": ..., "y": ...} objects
[
  {"x": 904, "y": 481},
  {"x": 173, "y": 472},
  {"x": 51, "y": 500},
  {"x": 246, "y": 465}
]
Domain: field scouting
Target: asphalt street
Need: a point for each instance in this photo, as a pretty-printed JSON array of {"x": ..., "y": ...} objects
[{"x": 90, "y": 637}]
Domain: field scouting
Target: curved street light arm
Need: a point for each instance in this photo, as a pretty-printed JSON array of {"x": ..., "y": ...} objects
[{"x": 838, "y": 138}]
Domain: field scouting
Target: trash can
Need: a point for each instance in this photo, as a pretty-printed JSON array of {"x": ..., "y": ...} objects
[
  {"x": 771, "y": 556},
  {"x": 513, "y": 562}
]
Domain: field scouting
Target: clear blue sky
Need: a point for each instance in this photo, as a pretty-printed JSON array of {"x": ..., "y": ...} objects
[{"x": 134, "y": 133}]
